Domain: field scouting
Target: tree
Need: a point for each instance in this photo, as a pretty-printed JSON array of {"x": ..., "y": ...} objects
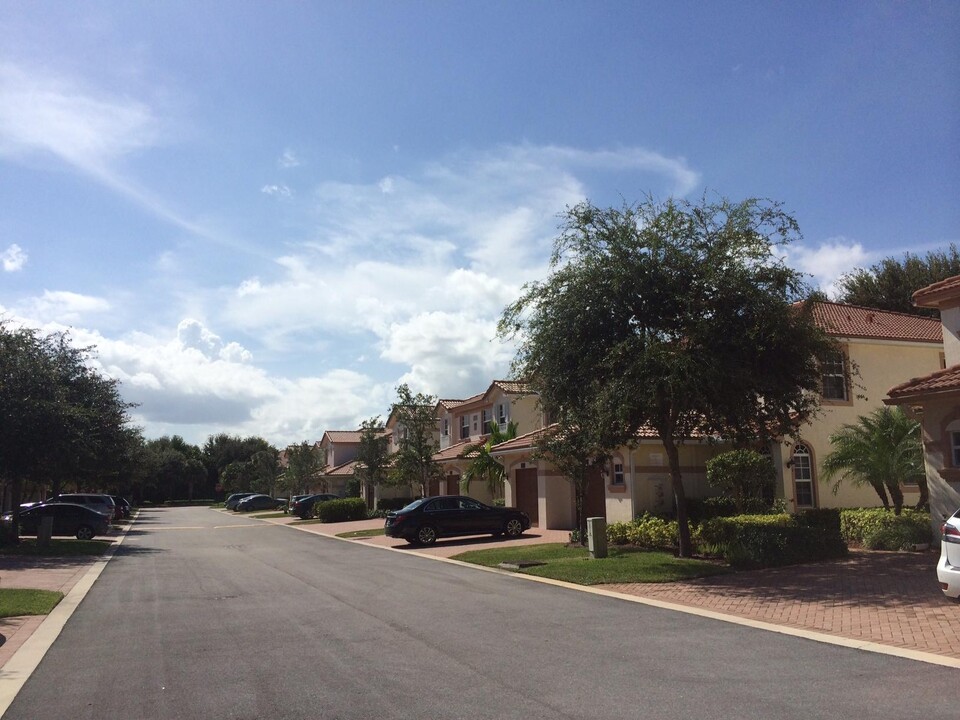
[
  {"x": 59, "y": 417},
  {"x": 485, "y": 466},
  {"x": 222, "y": 449},
  {"x": 883, "y": 450},
  {"x": 416, "y": 430},
  {"x": 674, "y": 316},
  {"x": 304, "y": 461},
  {"x": 373, "y": 455},
  {"x": 743, "y": 476},
  {"x": 266, "y": 469},
  {"x": 174, "y": 468},
  {"x": 890, "y": 284}
]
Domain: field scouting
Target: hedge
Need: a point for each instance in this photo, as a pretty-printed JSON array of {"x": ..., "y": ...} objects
[
  {"x": 340, "y": 510},
  {"x": 879, "y": 529},
  {"x": 647, "y": 531},
  {"x": 772, "y": 540}
]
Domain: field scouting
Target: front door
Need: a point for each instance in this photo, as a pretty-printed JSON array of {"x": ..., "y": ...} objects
[{"x": 527, "y": 495}]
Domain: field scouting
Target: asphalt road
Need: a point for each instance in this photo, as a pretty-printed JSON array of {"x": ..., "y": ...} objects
[{"x": 204, "y": 615}]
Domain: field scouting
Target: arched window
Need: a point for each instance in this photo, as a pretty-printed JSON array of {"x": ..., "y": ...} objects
[{"x": 802, "y": 463}]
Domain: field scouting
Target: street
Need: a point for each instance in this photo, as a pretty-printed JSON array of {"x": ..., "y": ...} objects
[{"x": 201, "y": 614}]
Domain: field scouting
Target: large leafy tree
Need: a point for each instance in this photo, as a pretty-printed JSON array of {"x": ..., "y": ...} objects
[
  {"x": 222, "y": 449},
  {"x": 304, "y": 461},
  {"x": 416, "y": 440},
  {"x": 59, "y": 417},
  {"x": 174, "y": 469},
  {"x": 890, "y": 283},
  {"x": 883, "y": 450},
  {"x": 484, "y": 466},
  {"x": 373, "y": 455},
  {"x": 677, "y": 316}
]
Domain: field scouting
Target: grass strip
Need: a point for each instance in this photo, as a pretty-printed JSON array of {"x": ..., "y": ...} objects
[
  {"x": 269, "y": 516},
  {"x": 574, "y": 564},
  {"x": 361, "y": 533},
  {"x": 15, "y": 602}
]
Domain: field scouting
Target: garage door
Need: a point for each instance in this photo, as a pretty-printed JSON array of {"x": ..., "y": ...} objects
[{"x": 527, "y": 496}]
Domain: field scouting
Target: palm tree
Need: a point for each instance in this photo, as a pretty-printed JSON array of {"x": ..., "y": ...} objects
[
  {"x": 484, "y": 465},
  {"x": 883, "y": 450}
]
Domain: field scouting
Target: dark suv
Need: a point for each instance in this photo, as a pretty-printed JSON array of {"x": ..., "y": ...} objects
[
  {"x": 68, "y": 519},
  {"x": 303, "y": 508}
]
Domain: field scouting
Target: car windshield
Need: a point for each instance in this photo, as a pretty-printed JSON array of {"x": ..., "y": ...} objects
[{"x": 415, "y": 504}]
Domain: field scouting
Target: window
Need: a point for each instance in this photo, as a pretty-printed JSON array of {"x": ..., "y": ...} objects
[
  {"x": 465, "y": 427},
  {"x": 834, "y": 378},
  {"x": 802, "y": 476},
  {"x": 446, "y": 427},
  {"x": 476, "y": 424},
  {"x": 503, "y": 415},
  {"x": 618, "y": 473},
  {"x": 955, "y": 448},
  {"x": 485, "y": 416}
]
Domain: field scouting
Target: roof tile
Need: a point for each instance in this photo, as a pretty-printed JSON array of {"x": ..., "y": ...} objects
[{"x": 862, "y": 322}]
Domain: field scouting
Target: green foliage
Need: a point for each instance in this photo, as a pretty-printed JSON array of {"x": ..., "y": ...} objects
[
  {"x": 648, "y": 531},
  {"x": 416, "y": 434},
  {"x": 341, "y": 510},
  {"x": 388, "y": 504},
  {"x": 883, "y": 450},
  {"x": 878, "y": 529},
  {"x": 304, "y": 463},
  {"x": 221, "y": 450},
  {"x": 15, "y": 602},
  {"x": 889, "y": 284},
  {"x": 742, "y": 475},
  {"x": 773, "y": 540},
  {"x": 373, "y": 455},
  {"x": 676, "y": 316},
  {"x": 485, "y": 466}
]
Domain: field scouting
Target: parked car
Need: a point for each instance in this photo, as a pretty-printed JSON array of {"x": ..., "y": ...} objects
[
  {"x": 423, "y": 521},
  {"x": 103, "y": 504},
  {"x": 81, "y": 521},
  {"x": 123, "y": 506},
  {"x": 232, "y": 500},
  {"x": 294, "y": 500},
  {"x": 258, "y": 502},
  {"x": 948, "y": 569},
  {"x": 303, "y": 508}
]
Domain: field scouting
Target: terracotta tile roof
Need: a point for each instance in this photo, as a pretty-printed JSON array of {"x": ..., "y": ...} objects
[
  {"x": 512, "y": 386},
  {"x": 460, "y": 451},
  {"x": 854, "y": 321},
  {"x": 344, "y": 469},
  {"x": 343, "y": 435},
  {"x": 450, "y": 404},
  {"x": 942, "y": 381},
  {"x": 932, "y": 295},
  {"x": 529, "y": 440}
]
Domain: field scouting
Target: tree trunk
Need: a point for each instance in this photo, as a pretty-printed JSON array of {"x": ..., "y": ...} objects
[
  {"x": 896, "y": 494},
  {"x": 679, "y": 496},
  {"x": 924, "y": 500},
  {"x": 882, "y": 492}
]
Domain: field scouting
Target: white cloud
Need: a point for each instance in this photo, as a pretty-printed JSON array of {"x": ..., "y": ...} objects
[
  {"x": 288, "y": 159},
  {"x": 828, "y": 261},
  {"x": 278, "y": 190},
  {"x": 13, "y": 258},
  {"x": 61, "y": 306}
]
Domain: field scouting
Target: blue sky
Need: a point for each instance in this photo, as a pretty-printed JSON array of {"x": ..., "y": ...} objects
[{"x": 267, "y": 215}]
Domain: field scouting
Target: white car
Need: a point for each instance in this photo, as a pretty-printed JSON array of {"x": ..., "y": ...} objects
[{"x": 948, "y": 569}]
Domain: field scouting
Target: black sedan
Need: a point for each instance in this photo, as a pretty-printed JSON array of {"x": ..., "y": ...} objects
[
  {"x": 303, "y": 507},
  {"x": 423, "y": 521},
  {"x": 259, "y": 502},
  {"x": 78, "y": 520}
]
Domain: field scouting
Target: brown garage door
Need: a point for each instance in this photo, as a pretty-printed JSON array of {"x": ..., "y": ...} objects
[{"x": 526, "y": 483}]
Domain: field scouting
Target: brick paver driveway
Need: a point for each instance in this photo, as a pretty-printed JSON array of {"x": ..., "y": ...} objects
[{"x": 882, "y": 597}]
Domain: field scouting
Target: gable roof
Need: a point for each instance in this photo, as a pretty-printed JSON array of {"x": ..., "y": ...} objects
[
  {"x": 854, "y": 321},
  {"x": 342, "y": 435},
  {"x": 460, "y": 451},
  {"x": 933, "y": 295},
  {"x": 942, "y": 381}
]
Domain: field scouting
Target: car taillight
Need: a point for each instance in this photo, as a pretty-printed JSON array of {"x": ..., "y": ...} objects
[{"x": 950, "y": 533}]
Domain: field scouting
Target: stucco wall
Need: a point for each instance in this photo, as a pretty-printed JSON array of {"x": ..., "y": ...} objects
[
  {"x": 882, "y": 365},
  {"x": 941, "y": 417}
]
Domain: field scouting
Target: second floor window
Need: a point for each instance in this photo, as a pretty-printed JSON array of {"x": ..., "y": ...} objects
[
  {"x": 834, "y": 377},
  {"x": 502, "y": 414},
  {"x": 465, "y": 427},
  {"x": 485, "y": 416},
  {"x": 618, "y": 473},
  {"x": 446, "y": 427}
]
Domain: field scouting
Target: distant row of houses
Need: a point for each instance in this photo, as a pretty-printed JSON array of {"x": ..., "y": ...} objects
[{"x": 888, "y": 349}]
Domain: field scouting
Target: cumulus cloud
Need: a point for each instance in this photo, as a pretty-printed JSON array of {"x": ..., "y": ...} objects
[
  {"x": 277, "y": 190},
  {"x": 61, "y": 306},
  {"x": 828, "y": 261},
  {"x": 193, "y": 335},
  {"x": 13, "y": 258},
  {"x": 288, "y": 159}
]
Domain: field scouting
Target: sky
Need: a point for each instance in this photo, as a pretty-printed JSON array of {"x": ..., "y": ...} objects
[{"x": 265, "y": 216}]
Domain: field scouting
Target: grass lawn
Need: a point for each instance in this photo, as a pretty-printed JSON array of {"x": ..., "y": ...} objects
[
  {"x": 270, "y": 515},
  {"x": 59, "y": 547},
  {"x": 15, "y": 602},
  {"x": 361, "y": 533},
  {"x": 574, "y": 565}
]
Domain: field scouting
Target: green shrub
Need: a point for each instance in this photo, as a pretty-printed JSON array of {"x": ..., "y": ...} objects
[
  {"x": 772, "y": 540},
  {"x": 340, "y": 510},
  {"x": 879, "y": 529},
  {"x": 188, "y": 503},
  {"x": 388, "y": 504},
  {"x": 647, "y": 531},
  {"x": 744, "y": 476},
  {"x": 618, "y": 533}
]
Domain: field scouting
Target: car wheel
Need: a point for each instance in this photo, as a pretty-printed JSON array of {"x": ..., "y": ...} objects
[
  {"x": 426, "y": 535},
  {"x": 514, "y": 528},
  {"x": 84, "y": 532}
]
